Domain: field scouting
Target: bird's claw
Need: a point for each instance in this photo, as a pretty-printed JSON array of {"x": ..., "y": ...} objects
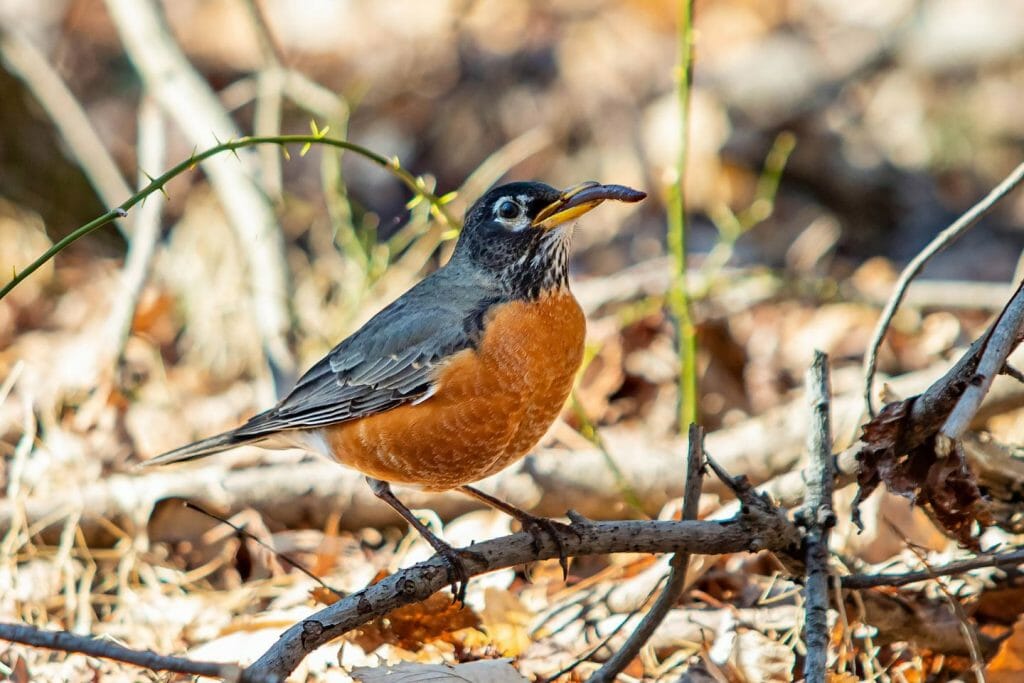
[
  {"x": 536, "y": 526},
  {"x": 458, "y": 573}
]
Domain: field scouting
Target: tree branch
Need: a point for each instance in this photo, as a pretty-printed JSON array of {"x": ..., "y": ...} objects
[
  {"x": 860, "y": 581},
  {"x": 107, "y": 649},
  {"x": 753, "y": 530},
  {"x": 928, "y": 412}
]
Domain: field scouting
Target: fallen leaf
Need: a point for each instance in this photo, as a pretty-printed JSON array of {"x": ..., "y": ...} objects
[
  {"x": 410, "y": 626},
  {"x": 943, "y": 486},
  {"x": 507, "y": 622}
]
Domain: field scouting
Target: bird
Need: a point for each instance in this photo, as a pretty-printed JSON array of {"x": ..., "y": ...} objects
[{"x": 460, "y": 376}]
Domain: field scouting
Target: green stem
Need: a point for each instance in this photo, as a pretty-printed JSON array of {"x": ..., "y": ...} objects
[
  {"x": 416, "y": 185},
  {"x": 679, "y": 299}
]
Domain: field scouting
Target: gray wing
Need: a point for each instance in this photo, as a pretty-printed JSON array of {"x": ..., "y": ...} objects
[{"x": 390, "y": 361}]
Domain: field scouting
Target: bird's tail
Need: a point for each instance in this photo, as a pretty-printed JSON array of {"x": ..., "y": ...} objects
[{"x": 203, "y": 448}]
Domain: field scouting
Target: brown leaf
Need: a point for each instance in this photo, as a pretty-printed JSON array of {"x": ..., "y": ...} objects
[
  {"x": 951, "y": 494},
  {"x": 409, "y": 627},
  {"x": 880, "y": 436},
  {"x": 943, "y": 486},
  {"x": 1002, "y": 605}
]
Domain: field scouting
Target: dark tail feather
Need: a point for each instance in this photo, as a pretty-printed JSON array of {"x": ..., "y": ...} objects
[{"x": 202, "y": 448}]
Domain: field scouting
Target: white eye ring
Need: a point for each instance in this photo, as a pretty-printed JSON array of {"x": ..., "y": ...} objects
[{"x": 508, "y": 210}]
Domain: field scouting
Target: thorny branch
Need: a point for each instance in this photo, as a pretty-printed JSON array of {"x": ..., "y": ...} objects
[{"x": 415, "y": 184}]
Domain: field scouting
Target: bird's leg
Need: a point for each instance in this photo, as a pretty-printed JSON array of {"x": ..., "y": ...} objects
[
  {"x": 532, "y": 524},
  {"x": 458, "y": 575}
]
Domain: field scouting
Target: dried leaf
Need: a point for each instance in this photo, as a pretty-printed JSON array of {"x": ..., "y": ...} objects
[
  {"x": 507, "y": 622},
  {"x": 943, "y": 486},
  {"x": 409, "y": 627}
]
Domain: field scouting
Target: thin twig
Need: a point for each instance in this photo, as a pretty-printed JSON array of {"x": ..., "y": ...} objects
[
  {"x": 108, "y": 649},
  {"x": 392, "y": 165},
  {"x": 819, "y": 518},
  {"x": 1013, "y": 372},
  {"x": 677, "y": 575},
  {"x": 608, "y": 638},
  {"x": 283, "y": 557},
  {"x": 970, "y": 635},
  {"x": 941, "y": 241},
  {"x": 860, "y": 581}
]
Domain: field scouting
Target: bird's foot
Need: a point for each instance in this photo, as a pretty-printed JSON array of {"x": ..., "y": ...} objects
[
  {"x": 534, "y": 525},
  {"x": 458, "y": 573},
  {"x": 537, "y": 527}
]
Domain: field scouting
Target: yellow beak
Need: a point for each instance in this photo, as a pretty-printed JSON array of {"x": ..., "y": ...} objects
[{"x": 579, "y": 199}]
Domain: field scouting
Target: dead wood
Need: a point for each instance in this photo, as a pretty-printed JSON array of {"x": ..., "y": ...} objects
[
  {"x": 819, "y": 518},
  {"x": 755, "y": 529}
]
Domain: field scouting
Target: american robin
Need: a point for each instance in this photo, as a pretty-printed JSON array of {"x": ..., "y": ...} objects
[{"x": 460, "y": 376}]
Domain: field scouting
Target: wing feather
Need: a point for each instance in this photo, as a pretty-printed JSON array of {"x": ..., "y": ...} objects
[{"x": 392, "y": 360}]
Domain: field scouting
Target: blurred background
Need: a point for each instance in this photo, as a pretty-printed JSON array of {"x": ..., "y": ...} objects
[
  {"x": 827, "y": 143},
  {"x": 824, "y": 141}
]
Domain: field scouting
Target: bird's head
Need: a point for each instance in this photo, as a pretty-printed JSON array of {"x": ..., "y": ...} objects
[{"x": 520, "y": 232}]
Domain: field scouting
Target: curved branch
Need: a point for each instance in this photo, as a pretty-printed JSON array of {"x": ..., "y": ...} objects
[
  {"x": 107, "y": 649},
  {"x": 941, "y": 241},
  {"x": 415, "y": 184}
]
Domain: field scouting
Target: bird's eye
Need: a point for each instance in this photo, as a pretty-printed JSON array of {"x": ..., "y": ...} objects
[{"x": 508, "y": 209}]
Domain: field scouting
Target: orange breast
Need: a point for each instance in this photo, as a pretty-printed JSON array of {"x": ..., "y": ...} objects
[{"x": 491, "y": 406}]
